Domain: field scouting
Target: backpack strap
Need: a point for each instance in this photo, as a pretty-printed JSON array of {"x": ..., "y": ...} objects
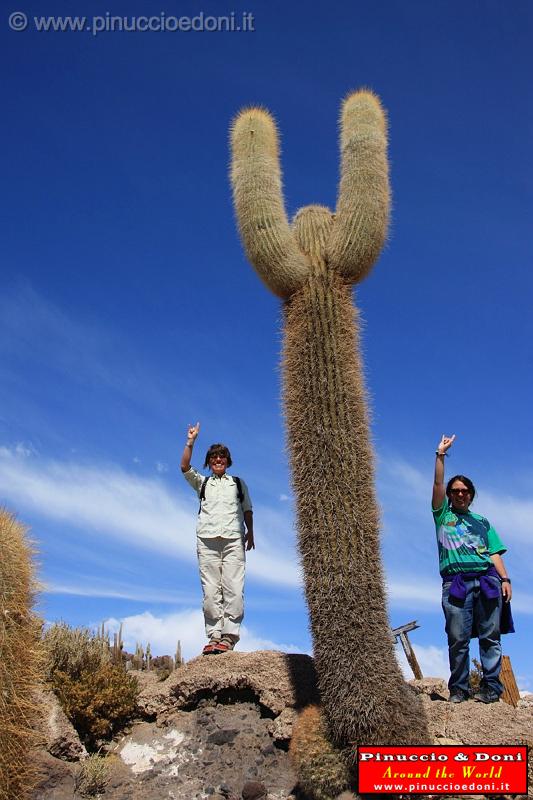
[
  {"x": 202, "y": 492},
  {"x": 240, "y": 493},
  {"x": 238, "y": 484}
]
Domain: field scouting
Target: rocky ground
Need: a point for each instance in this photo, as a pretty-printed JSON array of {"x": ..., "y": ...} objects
[{"x": 218, "y": 729}]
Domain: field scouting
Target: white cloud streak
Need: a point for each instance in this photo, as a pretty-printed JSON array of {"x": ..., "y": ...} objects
[
  {"x": 141, "y": 512},
  {"x": 136, "y": 510},
  {"x": 508, "y": 514},
  {"x": 87, "y": 587}
]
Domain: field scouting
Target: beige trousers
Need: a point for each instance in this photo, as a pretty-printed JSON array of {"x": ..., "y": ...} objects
[{"x": 222, "y": 562}]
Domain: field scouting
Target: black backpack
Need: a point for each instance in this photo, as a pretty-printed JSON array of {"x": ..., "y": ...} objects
[{"x": 238, "y": 484}]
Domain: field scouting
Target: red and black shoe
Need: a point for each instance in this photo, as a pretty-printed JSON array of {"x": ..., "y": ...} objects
[{"x": 225, "y": 645}]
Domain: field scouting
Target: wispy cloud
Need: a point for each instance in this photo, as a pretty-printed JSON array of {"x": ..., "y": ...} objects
[
  {"x": 89, "y": 351},
  {"x": 142, "y": 512},
  {"x": 89, "y": 587},
  {"x": 36, "y": 329},
  {"x": 403, "y": 479},
  {"x": 508, "y": 514},
  {"x": 106, "y": 499},
  {"x": 411, "y": 594}
]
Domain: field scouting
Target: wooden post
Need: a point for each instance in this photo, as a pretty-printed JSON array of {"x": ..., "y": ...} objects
[
  {"x": 410, "y": 655},
  {"x": 401, "y": 634},
  {"x": 510, "y": 694}
]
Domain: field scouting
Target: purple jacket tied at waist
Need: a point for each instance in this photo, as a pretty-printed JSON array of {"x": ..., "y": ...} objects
[{"x": 458, "y": 591}]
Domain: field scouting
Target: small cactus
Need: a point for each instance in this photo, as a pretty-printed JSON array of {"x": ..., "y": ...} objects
[
  {"x": 118, "y": 646},
  {"x": 148, "y": 656},
  {"x": 138, "y": 658},
  {"x": 20, "y": 660}
]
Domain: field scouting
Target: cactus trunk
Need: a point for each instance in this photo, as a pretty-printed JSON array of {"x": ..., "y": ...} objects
[
  {"x": 362, "y": 689},
  {"x": 311, "y": 265}
]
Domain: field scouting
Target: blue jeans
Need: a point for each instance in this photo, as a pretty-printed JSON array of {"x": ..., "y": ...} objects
[{"x": 462, "y": 616}]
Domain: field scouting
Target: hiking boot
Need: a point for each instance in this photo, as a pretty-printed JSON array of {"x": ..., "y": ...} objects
[
  {"x": 211, "y": 648},
  {"x": 458, "y": 696},
  {"x": 224, "y": 645},
  {"x": 486, "y": 696}
]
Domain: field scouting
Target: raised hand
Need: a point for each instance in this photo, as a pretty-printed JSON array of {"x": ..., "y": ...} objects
[
  {"x": 445, "y": 443},
  {"x": 193, "y": 432}
]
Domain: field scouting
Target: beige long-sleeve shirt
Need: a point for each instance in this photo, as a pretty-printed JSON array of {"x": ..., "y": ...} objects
[{"x": 222, "y": 513}]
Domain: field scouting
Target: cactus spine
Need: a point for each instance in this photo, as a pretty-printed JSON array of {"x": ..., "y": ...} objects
[
  {"x": 311, "y": 265},
  {"x": 19, "y": 661}
]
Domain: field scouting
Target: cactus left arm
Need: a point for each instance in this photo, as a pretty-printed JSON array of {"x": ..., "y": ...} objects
[{"x": 256, "y": 179}]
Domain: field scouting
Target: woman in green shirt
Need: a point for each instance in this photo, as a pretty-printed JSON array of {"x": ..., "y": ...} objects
[{"x": 474, "y": 582}]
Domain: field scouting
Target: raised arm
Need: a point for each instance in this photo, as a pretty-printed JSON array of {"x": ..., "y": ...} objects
[
  {"x": 362, "y": 213},
  {"x": 192, "y": 434},
  {"x": 439, "y": 490},
  {"x": 256, "y": 180}
]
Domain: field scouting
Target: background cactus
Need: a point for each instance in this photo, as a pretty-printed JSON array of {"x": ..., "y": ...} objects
[
  {"x": 311, "y": 264},
  {"x": 19, "y": 660},
  {"x": 90, "y": 681}
]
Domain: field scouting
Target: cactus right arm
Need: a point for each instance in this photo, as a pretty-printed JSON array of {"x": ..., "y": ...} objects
[
  {"x": 362, "y": 213},
  {"x": 256, "y": 179},
  {"x": 192, "y": 434}
]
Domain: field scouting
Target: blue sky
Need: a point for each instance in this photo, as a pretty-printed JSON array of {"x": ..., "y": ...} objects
[{"x": 128, "y": 310}]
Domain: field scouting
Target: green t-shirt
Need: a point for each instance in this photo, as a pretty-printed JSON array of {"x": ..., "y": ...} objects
[{"x": 465, "y": 541}]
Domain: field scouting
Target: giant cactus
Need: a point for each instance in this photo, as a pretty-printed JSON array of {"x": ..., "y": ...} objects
[
  {"x": 311, "y": 265},
  {"x": 19, "y": 661}
]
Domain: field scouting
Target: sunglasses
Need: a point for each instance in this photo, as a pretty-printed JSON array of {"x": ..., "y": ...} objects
[{"x": 459, "y": 491}]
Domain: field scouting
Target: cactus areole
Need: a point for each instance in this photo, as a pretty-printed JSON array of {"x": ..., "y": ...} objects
[{"x": 311, "y": 264}]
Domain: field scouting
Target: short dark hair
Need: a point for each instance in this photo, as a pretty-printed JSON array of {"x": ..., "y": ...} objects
[
  {"x": 217, "y": 450},
  {"x": 467, "y": 482}
]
